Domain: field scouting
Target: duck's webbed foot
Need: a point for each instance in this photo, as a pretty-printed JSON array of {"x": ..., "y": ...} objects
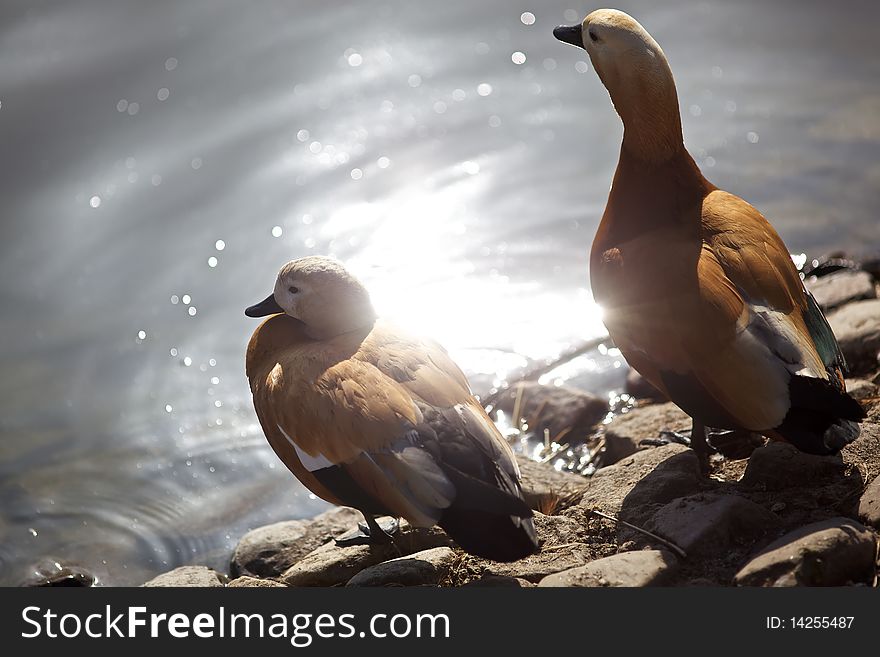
[
  {"x": 734, "y": 443},
  {"x": 695, "y": 439},
  {"x": 666, "y": 437},
  {"x": 371, "y": 532}
]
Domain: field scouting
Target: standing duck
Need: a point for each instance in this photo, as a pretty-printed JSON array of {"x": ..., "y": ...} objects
[
  {"x": 698, "y": 290},
  {"x": 369, "y": 417}
]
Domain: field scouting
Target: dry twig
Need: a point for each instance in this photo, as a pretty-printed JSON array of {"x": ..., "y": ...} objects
[
  {"x": 672, "y": 546},
  {"x": 541, "y": 370}
]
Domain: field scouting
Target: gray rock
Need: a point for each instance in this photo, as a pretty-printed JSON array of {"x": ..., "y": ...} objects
[
  {"x": 246, "y": 582},
  {"x": 501, "y": 580},
  {"x": 638, "y": 568},
  {"x": 557, "y": 408},
  {"x": 198, "y": 576},
  {"x": 708, "y": 523},
  {"x": 623, "y": 435},
  {"x": 543, "y": 486},
  {"x": 841, "y": 287},
  {"x": 332, "y": 565},
  {"x": 640, "y": 388},
  {"x": 871, "y": 263},
  {"x": 857, "y": 328},
  {"x": 869, "y": 504},
  {"x": 833, "y": 552},
  {"x": 634, "y": 487},
  {"x": 269, "y": 551},
  {"x": 616, "y": 448},
  {"x": 861, "y": 388},
  {"x": 779, "y": 465},
  {"x": 648, "y": 421},
  {"x": 51, "y": 572},
  {"x": 426, "y": 568}
]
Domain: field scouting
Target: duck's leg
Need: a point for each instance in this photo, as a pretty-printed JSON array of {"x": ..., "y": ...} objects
[
  {"x": 370, "y": 532},
  {"x": 699, "y": 444},
  {"x": 697, "y": 440}
]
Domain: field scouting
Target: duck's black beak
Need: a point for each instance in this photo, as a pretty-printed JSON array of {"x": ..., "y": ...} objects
[
  {"x": 572, "y": 34},
  {"x": 267, "y": 306}
]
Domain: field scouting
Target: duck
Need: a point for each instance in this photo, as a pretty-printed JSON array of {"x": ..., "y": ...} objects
[
  {"x": 698, "y": 290},
  {"x": 368, "y": 416}
]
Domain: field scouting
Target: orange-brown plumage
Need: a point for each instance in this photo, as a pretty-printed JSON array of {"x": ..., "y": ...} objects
[
  {"x": 699, "y": 291},
  {"x": 368, "y": 416}
]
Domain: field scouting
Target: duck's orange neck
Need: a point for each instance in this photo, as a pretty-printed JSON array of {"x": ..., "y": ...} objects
[
  {"x": 646, "y": 195},
  {"x": 642, "y": 141},
  {"x": 647, "y": 103}
]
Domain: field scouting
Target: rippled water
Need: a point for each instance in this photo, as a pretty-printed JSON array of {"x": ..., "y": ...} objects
[{"x": 160, "y": 160}]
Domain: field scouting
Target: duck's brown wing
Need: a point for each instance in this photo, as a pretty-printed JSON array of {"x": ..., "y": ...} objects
[
  {"x": 350, "y": 432},
  {"x": 488, "y": 516},
  {"x": 782, "y": 335}
]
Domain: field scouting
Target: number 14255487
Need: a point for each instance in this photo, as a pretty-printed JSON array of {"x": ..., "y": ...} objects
[{"x": 809, "y": 622}]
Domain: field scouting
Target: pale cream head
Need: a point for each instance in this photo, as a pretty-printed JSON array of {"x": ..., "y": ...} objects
[
  {"x": 322, "y": 294},
  {"x": 634, "y": 70}
]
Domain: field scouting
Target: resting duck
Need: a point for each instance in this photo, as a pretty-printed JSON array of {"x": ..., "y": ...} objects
[
  {"x": 698, "y": 290},
  {"x": 369, "y": 417}
]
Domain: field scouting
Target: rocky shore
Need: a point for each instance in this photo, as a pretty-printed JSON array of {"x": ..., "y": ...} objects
[{"x": 768, "y": 515}]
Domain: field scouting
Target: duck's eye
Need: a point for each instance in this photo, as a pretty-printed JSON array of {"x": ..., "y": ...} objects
[
  {"x": 293, "y": 289},
  {"x": 593, "y": 37}
]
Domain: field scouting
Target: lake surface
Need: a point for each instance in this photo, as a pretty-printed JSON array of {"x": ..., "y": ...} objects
[{"x": 160, "y": 160}]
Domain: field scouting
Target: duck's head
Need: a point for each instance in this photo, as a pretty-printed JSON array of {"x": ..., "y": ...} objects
[
  {"x": 322, "y": 294},
  {"x": 634, "y": 70}
]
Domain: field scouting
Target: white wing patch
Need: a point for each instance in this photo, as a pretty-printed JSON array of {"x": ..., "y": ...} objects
[
  {"x": 775, "y": 331},
  {"x": 310, "y": 463}
]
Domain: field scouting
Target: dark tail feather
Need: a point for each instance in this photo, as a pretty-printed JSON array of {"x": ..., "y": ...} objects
[
  {"x": 488, "y": 521},
  {"x": 477, "y": 495},
  {"x": 822, "y": 419},
  {"x": 489, "y": 535}
]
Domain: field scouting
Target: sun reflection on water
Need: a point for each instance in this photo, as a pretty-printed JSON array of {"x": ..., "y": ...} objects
[{"x": 412, "y": 254}]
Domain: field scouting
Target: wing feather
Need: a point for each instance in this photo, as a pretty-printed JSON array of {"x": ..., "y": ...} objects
[{"x": 360, "y": 406}]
